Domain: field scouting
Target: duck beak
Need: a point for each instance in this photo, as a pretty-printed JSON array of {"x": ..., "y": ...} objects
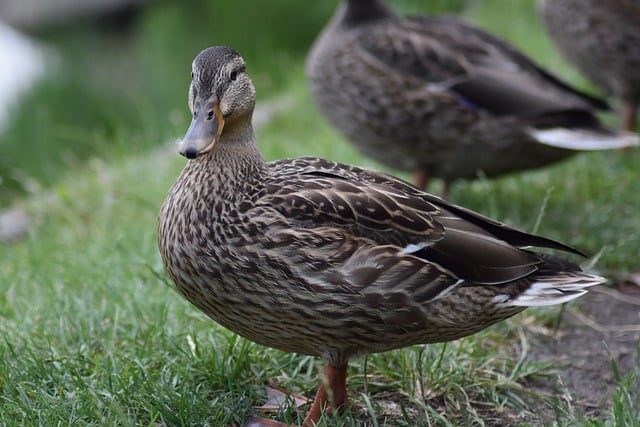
[{"x": 203, "y": 133}]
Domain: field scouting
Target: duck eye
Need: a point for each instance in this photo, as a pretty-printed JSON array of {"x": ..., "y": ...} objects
[
  {"x": 210, "y": 115},
  {"x": 233, "y": 75},
  {"x": 192, "y": 74}
]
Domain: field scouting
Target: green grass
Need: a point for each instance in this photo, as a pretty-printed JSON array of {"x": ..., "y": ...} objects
[{"x": 91, "y": 331}]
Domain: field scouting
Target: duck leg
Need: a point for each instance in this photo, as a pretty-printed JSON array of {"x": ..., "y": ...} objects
[
  {"x": 630, "y": 114},
  {"x": 421, "y": 178},
  {"x": 332, "y": 389}
]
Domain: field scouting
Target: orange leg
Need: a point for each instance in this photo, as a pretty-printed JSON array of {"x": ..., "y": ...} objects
[
  {"x": 421, "y": 179},
  {"x": 630, "y": 115},
  {"x": 332, "y": 390}
]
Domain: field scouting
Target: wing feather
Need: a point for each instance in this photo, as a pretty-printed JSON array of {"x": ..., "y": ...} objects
[
  {"x": 384, "y": 210},
  {"x": 476, "y": 68}
]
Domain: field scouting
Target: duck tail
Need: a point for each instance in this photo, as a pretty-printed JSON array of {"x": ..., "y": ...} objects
[
  {"x": 558, "y": 289},
  {"x": 585, "y": 139}
]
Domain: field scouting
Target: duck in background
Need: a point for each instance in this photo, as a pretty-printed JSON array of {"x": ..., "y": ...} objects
[
  {"x": 602, "y": 39},
  {"x": 442, "y": 99}
]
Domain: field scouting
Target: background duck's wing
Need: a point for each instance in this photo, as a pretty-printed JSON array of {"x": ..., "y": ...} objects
[{"x": 478, "y": 69}]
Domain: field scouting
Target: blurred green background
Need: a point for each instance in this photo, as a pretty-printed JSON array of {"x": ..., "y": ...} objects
[{"x": 122, "y": 82}]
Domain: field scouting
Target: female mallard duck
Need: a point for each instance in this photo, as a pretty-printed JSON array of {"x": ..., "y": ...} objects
[
  {"x": 319, "y": 258},
  {"x": 602, "y": 38},
  {"x": 437, "y": 97}
]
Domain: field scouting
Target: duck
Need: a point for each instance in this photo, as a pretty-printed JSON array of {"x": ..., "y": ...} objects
[
  {"x": 439, "y": 98},
  {"x": 319, "y": 258},
  {"x": 602, "y": 39}
]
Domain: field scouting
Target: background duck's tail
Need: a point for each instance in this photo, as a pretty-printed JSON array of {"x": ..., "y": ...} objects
[{"x": 585, "y": 139}]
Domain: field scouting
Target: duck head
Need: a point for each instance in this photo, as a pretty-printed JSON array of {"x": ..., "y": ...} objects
[{"x": 220, "y": 93}]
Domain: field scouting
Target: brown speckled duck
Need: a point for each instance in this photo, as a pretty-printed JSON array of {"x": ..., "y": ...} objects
[
  {"x": 602, "y": 38},
  {"x": 320, "y": 258},
  {"x": 440, "y": 98}
]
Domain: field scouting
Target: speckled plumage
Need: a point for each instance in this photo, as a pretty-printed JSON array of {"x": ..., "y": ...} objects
[
  {"x": 320, "y": 258},
  {"x": 602, "y": 38},
  {"x": 438, "y": 96}
]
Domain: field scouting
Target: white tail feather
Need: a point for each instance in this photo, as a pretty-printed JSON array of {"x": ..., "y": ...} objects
[
  {"x": 582, "y": 139},
  {"x": 552, "y": 290}
]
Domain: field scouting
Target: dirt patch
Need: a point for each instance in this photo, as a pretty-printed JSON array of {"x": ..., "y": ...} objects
[{"x": 603, "y": 328}]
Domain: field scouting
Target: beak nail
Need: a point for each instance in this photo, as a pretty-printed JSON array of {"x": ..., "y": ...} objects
[{"x": 191, "y": 152}]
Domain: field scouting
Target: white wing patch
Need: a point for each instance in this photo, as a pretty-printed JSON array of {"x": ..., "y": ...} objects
[{"x": 413, "y": 248}]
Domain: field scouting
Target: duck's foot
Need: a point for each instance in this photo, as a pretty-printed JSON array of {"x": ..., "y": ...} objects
[
  {"x": 332, "y": 390},
  {"x": 278, "y": 398},
  {"x": 331, "y": 396}
]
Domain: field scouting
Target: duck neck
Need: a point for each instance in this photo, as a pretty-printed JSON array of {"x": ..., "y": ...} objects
[
  {"x": 235, "y": 166},
  {"x": 362, "y": 11}
]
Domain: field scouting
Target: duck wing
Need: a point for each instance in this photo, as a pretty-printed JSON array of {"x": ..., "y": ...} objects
[
  {"x": 374, "y": 210},
  {"x": 480, "y": 70}
]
